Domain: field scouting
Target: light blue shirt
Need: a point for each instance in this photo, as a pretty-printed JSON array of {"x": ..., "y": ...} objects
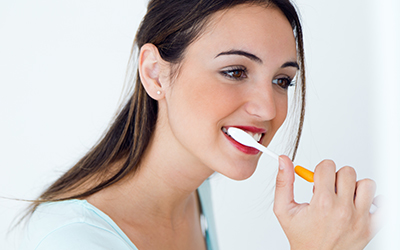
[{"x": 78, "y": 225}]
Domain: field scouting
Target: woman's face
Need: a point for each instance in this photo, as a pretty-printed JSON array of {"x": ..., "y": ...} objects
[{"x": 235, "y": 75}]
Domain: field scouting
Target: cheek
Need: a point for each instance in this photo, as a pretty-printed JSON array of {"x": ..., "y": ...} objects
[
  {"x": 196, "y": 105},
  {"x": 281, "y": 111},
  {"x": 203, "y": 100}
]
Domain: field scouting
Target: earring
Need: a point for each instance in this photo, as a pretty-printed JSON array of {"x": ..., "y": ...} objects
[{"x": 158, "y": 92}]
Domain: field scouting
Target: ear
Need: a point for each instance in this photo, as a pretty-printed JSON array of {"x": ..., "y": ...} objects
[{"x": 150, "y": 63}]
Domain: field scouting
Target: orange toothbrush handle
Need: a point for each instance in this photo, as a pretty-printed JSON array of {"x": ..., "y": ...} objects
[{"x": 304, "y": 173}]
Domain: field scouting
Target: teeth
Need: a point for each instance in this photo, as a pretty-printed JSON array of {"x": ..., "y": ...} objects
[{"x": 255, "y": 136}]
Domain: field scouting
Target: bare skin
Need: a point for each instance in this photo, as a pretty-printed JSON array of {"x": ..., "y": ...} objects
[
  {"x": 338, "y": 216},
  {"x": 158, "y": 208}
]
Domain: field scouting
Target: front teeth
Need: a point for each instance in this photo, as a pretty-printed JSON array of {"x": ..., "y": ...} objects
[{"x": 256, "y": 136}]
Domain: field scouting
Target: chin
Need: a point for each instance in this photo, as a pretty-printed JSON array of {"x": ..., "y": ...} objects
[{"x": 240, "y": 174}]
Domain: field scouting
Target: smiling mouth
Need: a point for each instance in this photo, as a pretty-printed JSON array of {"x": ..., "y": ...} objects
[{"x": 256, "y": 136}]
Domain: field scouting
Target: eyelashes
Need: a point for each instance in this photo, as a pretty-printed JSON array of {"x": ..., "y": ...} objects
[
  {"x": 284, "y": 82},
  {"x": 238, "y": 73},
  {"x": 235, "y": 73}
]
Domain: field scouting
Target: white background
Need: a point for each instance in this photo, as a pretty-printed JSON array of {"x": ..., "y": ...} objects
[{"x": 62, "y": 68}]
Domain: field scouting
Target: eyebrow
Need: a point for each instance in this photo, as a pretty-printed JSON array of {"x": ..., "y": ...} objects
[
  {"x": 241, "y": 53},
  {"x": 291, "y": 64},
  {"x": 256, "y": 58}
]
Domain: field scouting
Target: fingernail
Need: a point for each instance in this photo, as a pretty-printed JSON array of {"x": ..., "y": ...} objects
[{"x": 281, "y": 164}]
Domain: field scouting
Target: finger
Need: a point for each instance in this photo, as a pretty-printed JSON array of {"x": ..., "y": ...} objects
[
  {"x": 364, "y": 195},
  {"x": 346, "y": 181},
  {"x": 284, "y": 198},
  {"x": 379, "y": 217},
  {"x": 324, "y": 178},
  {"x": 379, "y": 201}
]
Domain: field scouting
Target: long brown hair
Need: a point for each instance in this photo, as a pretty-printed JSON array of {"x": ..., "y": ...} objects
[{"x": 171, "y": 25}]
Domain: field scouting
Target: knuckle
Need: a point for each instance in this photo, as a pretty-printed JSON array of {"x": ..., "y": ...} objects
[
  {"x": 348, "y": 171},
  {"x": 345, "y": 214},
  {"x": 325, "y": 164},
  {"x": 280, "y": 183},
  {"x": 326, "y": 204},
  {"x": 367, "y": 183}
]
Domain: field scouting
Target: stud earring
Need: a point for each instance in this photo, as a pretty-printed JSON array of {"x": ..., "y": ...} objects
[{"x": 158, "y": 92}]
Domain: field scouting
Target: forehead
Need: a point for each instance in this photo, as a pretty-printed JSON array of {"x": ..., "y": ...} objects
[{"x": 264, "y": 31}]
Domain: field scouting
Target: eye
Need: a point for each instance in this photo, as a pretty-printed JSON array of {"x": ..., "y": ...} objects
[
  {"x": 283, "y": 82},
  {"x": 235, "y": 73}
]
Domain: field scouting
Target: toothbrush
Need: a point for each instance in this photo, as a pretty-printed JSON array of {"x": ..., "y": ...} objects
[{"x": 247, "y": 140}]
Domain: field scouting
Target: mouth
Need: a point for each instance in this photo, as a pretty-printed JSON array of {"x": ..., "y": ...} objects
[
  {"x": 256, "y": 136},
  {"x": 256, "y": 133}
]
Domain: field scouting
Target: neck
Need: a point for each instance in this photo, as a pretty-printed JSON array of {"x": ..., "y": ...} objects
[{"x": 163, "y": 189}]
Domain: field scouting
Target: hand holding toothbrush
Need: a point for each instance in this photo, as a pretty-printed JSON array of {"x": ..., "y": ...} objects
[{"x": 338, "y": 216}]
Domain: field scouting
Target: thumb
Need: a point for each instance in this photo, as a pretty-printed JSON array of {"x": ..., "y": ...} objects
[{"x": 284, "y": 185}]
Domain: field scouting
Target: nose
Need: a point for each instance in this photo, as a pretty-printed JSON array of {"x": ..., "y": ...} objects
[{"x": 261, "y": 102}]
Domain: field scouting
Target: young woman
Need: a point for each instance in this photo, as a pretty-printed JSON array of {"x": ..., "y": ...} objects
[{"x": 203, "y": 66}]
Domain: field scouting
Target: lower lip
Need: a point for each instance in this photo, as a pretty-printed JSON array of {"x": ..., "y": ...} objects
[{"x": 241, "y": 147}]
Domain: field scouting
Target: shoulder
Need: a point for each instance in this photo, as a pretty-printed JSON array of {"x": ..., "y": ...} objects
[
  {"x": 73, "y": 224},
  {"x": 80, "y": 235}
]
